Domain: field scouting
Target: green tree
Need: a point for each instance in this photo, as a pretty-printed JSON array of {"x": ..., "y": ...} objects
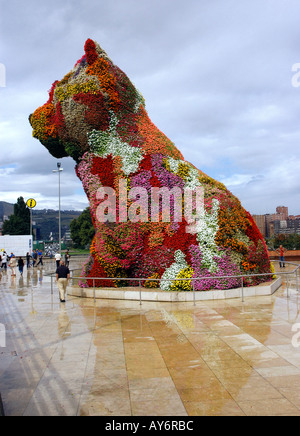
[
  {"x": 19, "y": 222},
  {"x": 291, "y": 242},
  {"x": 82, "y": 230}
]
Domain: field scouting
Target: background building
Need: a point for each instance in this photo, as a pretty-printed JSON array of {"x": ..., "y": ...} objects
[{"x": 278, "y": 223}]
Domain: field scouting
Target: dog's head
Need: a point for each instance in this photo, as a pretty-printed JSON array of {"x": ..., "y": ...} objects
[{"x": 90, "y": 97}]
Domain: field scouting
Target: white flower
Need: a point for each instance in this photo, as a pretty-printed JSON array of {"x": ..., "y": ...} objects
[
  {"x": 172, "y": 272},
  {"x": 192, "y": 179},
  {"x": 206, "y": 233},
  {"x": 109, "y": 142}
]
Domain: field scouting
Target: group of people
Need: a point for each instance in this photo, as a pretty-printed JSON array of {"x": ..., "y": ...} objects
[
  {"x": 62, "y": 267},
  {"x": 37, "y": 258},
  {"x": 12, "y": 262}
]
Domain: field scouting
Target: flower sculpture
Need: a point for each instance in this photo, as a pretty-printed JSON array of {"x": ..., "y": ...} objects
[{"x": 97, "y": 116}]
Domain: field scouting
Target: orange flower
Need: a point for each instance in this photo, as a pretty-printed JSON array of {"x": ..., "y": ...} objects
[
  {"x": 101, "y": 68},
  {"x": 42, "y": 122},
  {"x": 154, "y": 140}
]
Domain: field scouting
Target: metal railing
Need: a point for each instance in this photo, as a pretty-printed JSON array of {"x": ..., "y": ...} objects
[{"x": 192, "y": 280}]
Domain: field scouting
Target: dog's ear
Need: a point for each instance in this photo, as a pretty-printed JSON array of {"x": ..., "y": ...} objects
[
  {"x": 120, "y": 93},
  {"x": 93, "y": 51}
]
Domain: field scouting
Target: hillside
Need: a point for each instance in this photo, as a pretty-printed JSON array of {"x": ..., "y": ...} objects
[
  {"x": 6, "y": 209},
  {"x": 44, "y": 221}
]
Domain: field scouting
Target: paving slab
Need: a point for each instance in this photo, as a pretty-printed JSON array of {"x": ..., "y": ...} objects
[{"x": 122, "y": 358}]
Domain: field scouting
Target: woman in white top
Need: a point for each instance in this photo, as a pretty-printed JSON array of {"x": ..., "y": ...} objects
[{"x": 13, "y": 264}]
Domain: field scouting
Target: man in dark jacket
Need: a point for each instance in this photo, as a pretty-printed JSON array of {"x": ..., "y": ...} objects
[{"x": 62, "y": 277}]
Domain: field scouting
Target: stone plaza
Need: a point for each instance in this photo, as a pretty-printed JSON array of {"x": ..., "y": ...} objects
[{"x": 122, "y": 358}]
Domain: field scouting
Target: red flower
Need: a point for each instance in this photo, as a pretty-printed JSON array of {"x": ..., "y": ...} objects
[
  {"x": 90, "y": 50},
  {"x": 96, "y": 115},
  {"x": 104, "y": 169}
]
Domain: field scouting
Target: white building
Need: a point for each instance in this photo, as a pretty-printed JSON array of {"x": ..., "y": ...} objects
[{"x": 19, "y": 245}]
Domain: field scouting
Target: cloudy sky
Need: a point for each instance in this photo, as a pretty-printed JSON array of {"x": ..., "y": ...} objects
[{"x": 219, "y": 78}]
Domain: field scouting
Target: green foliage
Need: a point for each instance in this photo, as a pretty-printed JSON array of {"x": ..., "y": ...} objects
[
  {"x": 82, "y": 230},
  {"x": 290, "y": 242},
  {"x": 55, "y": 147},
  {"x": 19, "y": 222}
]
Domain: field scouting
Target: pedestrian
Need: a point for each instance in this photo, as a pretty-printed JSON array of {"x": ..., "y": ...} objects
[
  {"x": 34, "y": 257},
  {"x": 67, "y": 258},
  {"x": 281, "y": 250},
  {"x": 28, "y": 257},
  {"x": 57, "y": 259},
  {"x": 40, "y": 262},
  {"x": 13, "y": 264},
  {"x": 4, "y": 261},
  {"x": 62, "y": 277},
  {"x": 21, "y": 265}
]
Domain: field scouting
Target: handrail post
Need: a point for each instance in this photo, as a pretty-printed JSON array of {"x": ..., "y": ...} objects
[
  {"x": 140, "y": 292},
  {"x": 194, "y": 292},
  {"x": 94, "y": 291},
  {"x": 242, "y": 280},
  {"x": 51, "y": 284}
]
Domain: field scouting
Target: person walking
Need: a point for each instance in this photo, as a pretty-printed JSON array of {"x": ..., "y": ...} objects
[
  {"x": 67, "y": 258},
  {"x": 13, "y": 264},
  {"x": 62, "y": 277},
  {"x": 57, "y": 259},
  {"x": 40, "y": 257},
  {"x": 21, "y": 265},
  {"x": 281, "y": 250},
  {"x": 34, "y": 258},
  {"x": 4, "y": 260},
  {"x": 28, "y": 257}
]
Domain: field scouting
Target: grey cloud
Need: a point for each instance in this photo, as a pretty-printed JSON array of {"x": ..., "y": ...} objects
[{"x": 216, "y": 77}]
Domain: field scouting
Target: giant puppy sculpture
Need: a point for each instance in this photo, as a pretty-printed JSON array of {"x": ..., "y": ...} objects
[{"x": 97, "y": 116}]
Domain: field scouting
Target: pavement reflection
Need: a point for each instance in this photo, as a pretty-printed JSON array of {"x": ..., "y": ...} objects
[{"x": 115, "y": 358}]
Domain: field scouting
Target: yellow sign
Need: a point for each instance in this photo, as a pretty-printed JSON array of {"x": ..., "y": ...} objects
[{"x": 31, "y": 203}]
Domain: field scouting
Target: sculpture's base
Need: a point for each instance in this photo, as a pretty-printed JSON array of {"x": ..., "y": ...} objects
[{"x": 146, "y": 294}]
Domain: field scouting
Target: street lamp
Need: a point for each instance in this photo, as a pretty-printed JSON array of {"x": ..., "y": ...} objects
[{"x": 59, "y": 170}]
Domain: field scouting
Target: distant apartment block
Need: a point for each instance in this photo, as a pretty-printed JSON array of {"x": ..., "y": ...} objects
[
  {"x": 278, "y": 223},
  {"x": 261, "y": 223}
]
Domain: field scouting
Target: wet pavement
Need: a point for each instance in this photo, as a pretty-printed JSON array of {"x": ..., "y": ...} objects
[{"x": 120, "y": 358}]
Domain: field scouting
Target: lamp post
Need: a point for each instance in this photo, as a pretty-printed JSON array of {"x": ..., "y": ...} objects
[{"x": 59, "y": 170}]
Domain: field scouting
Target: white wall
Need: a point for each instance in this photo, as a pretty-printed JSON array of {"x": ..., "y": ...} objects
[{"x": 20, "y": 245}]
